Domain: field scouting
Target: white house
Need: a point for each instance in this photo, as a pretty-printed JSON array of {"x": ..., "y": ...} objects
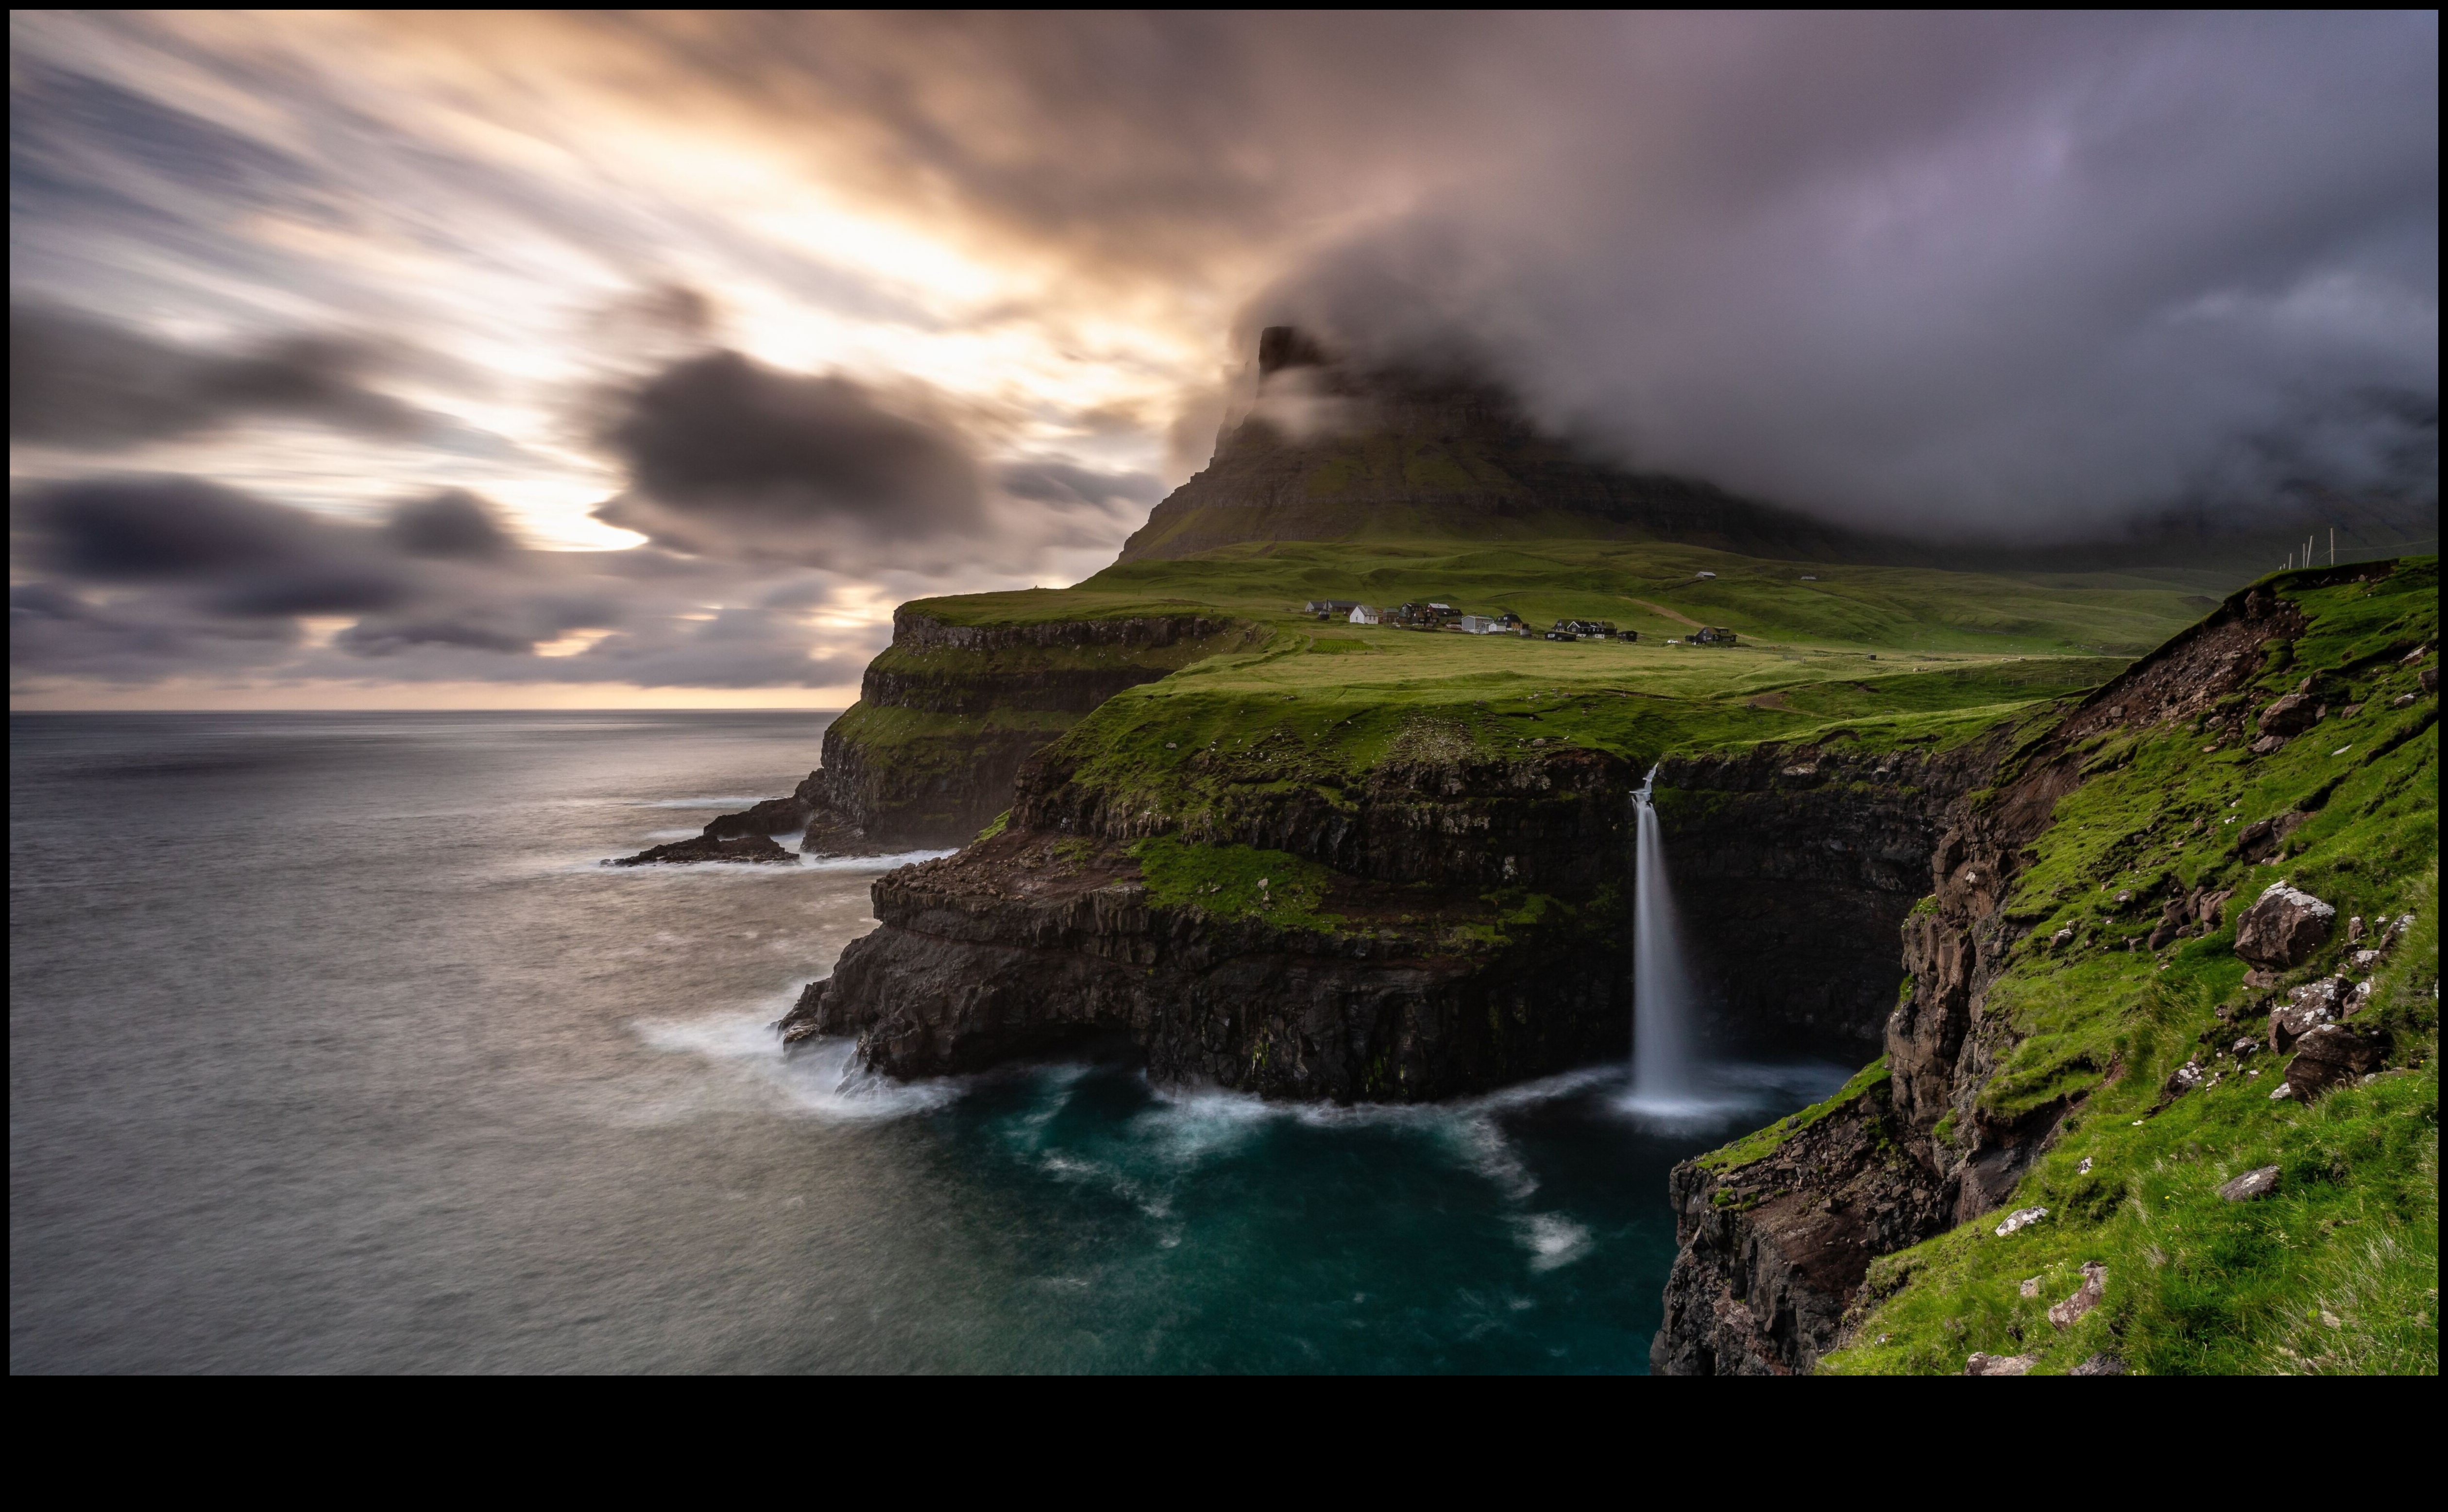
[
  {"x": 1367, "y": 614},
  {"x": 1478, "y": 624}
]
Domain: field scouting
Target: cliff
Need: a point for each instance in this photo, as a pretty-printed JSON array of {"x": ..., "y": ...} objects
[
  {"x": 2072, "y": 989},
  {"x": 1458, "y": 928},
  {"x": 948, "y": 714}
]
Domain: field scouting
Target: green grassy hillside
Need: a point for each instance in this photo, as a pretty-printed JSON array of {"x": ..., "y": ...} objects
[
  {"x": 1893, "y": 654},
  {"x": 1656, "y": 588},
  {"x": 2338, "y": 1272}
]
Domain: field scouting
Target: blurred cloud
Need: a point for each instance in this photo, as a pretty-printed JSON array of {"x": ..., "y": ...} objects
[
  {"x": 76, "y": 381},
  {"x": 729, "y": 457},
  {"x": 153, "y": 577},
  {"x": 833, "y": 309}
]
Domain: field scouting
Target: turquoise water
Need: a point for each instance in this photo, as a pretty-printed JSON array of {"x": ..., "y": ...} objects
[{"x": 331, "y": 1049}]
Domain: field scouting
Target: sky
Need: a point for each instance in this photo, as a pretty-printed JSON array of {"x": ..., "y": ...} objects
[{"x": 614, "y": 360}]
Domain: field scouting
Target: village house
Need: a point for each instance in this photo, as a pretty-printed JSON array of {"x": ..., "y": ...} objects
[
  {"x": 1712, "y": 635},
  {"x": 1330, "y": 608},
  {"x": 1582, "y": 630},
  {"x": 1367, "y": 614},
  {"x": 1417, "y": 616}
]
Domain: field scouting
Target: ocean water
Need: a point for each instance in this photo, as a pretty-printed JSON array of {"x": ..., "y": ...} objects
[{"x": 332, "y": 1048}]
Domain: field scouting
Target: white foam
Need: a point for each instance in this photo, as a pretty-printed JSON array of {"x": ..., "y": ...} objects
[
  {"x": 819, "y": 1079},
  {"x": 1186, "y": 1126},
  {"x": 697, "y": 803},
  {"x": 1200, "y": 1120},
  {"x": 869, "y": 863},
  {"x": 1552, "y": 1240}
]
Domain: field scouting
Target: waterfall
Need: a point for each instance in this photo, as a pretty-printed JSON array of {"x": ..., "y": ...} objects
[{"x": 1661, "y": 990}]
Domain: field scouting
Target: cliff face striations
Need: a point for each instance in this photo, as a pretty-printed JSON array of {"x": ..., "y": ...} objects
[
  {"x": 1380, "y": 957},
  {"x": 948, "y": 714},
  {"x": 1794, "y": 868}
]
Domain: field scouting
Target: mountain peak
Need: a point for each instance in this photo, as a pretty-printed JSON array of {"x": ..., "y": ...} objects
[{"x": 1316, "y": 446}]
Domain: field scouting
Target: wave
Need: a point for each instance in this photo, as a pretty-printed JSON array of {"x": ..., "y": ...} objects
[
  {"x": 592, "y": 866},
  {"x": 716, "y": 801},
  {"x": 821, "y": 1079},
  {"x": 869, "y": 863},
  {"x": 1552, "y": 1240}
]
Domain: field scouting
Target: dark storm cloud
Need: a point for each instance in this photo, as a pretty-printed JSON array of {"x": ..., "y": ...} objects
[
  {"x": 2021, "y": 275},
  {"x": 730, "y": 457},
  {"x": 243, "y": 556},
  {"x": 135, "y": 578},
  {"x": 453, "y": 523},
  {"x": 75, "y": 381},
  {"x": 1984, "y": 273}
]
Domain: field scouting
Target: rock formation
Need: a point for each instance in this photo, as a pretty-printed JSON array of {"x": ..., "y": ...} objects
[
  {"x": 754, "y": 848},
  {"x": 1394, "y": 983},
  {"x": 949, "y": 712}
]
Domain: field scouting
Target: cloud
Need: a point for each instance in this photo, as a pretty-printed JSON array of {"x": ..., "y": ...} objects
[
  {"x": 1983, "y": 274},
  {"x": 453, "y": 523},
  {"x": 2000, "y": 274},
  {"x": 137, "y": 579},
  {"x": 1987, "y": 275},
  {"x": 730, "y": 457},
  {"x": 75, "y": 381},
  {"x": 1068, "y": 485},
  {"x": 240, "y": 555}
]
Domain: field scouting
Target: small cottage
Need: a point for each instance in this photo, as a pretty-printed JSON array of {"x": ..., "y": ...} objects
[
  {"x": 1367, "y": 614},
  {"x": 1712, "y": 635},
  {"x": 1582, "y": 630},
  {"x": 1330, "y": 608}
]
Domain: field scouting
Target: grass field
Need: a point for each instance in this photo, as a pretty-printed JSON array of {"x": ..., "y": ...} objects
[
  {"x": 1889, "y": 654},
  {"x": 1652, "y": 589}
]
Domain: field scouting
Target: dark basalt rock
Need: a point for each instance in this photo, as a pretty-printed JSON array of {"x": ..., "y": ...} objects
[
  {"x": 773, "y": 816},
  {"x": 756, "y": 848},
  {"x": 1044, "y": 937},
  {"x": 1772, "y": 1253},
  {"x": 1794, "y": 872},
  {"x": 1034, "y": 943}
]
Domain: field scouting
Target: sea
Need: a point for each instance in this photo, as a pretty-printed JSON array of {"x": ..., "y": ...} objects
[{"x": 334, "y": 1047}]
